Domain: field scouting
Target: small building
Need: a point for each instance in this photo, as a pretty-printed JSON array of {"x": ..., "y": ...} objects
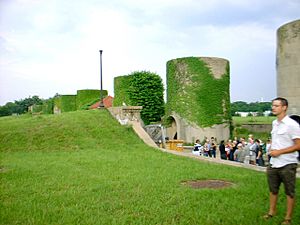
[{"x": 107, "y": 102}]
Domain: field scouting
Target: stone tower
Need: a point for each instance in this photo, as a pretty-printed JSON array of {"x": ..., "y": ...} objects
[
  {"x": 288, "y": 65},
  {"x": 198, "y": 99}
]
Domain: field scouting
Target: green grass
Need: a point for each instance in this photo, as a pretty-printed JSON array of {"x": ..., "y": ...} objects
[
  {"x": 242, "y": 132},
  {"x": 84, "y": 168},
  {"x": 253, "y": 119}
]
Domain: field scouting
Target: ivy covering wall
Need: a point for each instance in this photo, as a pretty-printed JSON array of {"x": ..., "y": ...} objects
[
  {"x": 141, "y": 88},
  {"x": 195, "y": 94},
  {"x": 65, "y": 103},
  {"x": 121, "y": 93},
  {"x": 37, "y": 108},
  {"x": 87, "y": 96},
  {"x": 48, "y": 106}
]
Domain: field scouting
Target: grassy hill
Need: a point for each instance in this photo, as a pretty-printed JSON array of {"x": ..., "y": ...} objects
[
  {"x": 84, "y": 168},
  {"x": 62, "y": 132}
]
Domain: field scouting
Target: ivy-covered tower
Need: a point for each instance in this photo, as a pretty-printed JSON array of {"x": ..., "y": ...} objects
[{"x": 198, "y": 98}]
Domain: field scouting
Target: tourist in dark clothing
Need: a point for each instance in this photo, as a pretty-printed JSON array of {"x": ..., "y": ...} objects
[
  {"x": 232, "y": 150},
  {"x": 259, "y": 154},
  {"x": 222, "y": 150},
  {"x": 297, "y": 119}
]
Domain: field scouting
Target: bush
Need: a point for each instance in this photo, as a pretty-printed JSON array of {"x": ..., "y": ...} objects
[{"x": 141, "y": 88}]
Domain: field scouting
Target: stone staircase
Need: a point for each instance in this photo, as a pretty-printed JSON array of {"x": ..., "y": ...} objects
[{"x": 139, "y": 130}]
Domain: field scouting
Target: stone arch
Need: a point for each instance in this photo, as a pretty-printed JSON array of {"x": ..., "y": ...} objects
[{"x": 172, "y": 132}]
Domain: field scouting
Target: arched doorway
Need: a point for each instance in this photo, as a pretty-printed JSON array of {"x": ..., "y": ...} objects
[{"x": 171, "y": 130}]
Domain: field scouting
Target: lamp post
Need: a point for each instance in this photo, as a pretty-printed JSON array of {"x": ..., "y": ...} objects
[{"x": 101, "y": 105}]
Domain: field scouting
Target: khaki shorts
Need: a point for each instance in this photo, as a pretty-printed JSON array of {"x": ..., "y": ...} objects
[{"x": 285, "y": 175}]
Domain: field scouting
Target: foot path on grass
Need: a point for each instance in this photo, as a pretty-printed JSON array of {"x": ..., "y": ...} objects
[
  {"x": 218, "y": 160},
  {"x": 147, "y": 139}
]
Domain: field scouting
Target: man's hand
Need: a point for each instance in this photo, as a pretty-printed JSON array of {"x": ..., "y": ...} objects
[
  {"x": 275, "y": 152},
  {"x": 293, "y": 148}
]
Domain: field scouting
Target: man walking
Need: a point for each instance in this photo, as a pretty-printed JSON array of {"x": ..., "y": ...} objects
[{"x": 283, "y": 162}]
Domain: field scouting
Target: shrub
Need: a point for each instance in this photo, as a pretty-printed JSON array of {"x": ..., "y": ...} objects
[{"x": 141, "y": 88}]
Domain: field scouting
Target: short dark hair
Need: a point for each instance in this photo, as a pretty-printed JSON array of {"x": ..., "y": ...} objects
[{"x": 283, "y": 101}]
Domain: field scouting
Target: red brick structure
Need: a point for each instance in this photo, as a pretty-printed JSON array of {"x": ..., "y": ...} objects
[{"x": 107, "y": 101}]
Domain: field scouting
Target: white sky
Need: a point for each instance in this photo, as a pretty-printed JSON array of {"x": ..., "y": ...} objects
[{"x": 52, "y": 46}]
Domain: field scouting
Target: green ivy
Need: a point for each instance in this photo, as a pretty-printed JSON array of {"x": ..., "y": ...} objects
[
  {"x": 121, "y": 93},
  {"x": 86, "y": 96},
  {"x": 141, "y": 88},
  {"x": 195, "y": 94},
  {"x": 65, "y": 103},
  {"x": 48, "y": 106},
  {"x": 37, "y": 108}
]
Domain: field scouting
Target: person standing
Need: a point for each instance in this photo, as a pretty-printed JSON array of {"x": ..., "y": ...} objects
[
  {"x": 259, "y": 153},
  {"x": 283, "y": 162},
  {"x": 297, "y": 119},
  {"x": 213, "y": 150},
  {"x": 222, "y": 150},
  {"x": 197, "y": 148},
  {"x": 239, "y": 154},
  {"x": 268, "y": 148}
]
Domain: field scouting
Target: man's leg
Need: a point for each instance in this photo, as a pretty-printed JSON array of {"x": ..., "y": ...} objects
[
  {"x": 274, "y": 184},
  {"x": 273, "y": 203},
  {"x": 289, "y": 207},
  {"x": 288, "y": 175}
]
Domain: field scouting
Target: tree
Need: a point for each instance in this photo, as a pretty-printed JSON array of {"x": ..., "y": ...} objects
[
  {"x": 20, "y": 106},
  {"x": 146, "y": 89},
  {"x": 7, "y": 109},
  {"x": 141, "y": 88},
  {"x": 241, "y": 106}
]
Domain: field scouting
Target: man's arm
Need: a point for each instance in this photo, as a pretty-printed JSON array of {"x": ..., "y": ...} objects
[{"x": 293, "y": 148}]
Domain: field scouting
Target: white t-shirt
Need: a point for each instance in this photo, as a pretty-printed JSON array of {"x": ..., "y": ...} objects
[{"x": 283, "y": 134}]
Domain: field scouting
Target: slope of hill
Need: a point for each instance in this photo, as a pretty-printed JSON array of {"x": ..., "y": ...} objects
[{"x": 63, "y": 132}]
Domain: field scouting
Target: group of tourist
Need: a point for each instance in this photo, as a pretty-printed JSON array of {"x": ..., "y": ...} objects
[
  {"x": 207, "y": 149},
  {"x": 253, "y": 151},
  {"x": 250, "y": 151},
  {"x": 242, "y": 150}
]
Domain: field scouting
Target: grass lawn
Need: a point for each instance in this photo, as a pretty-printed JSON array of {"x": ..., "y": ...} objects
[
  {"x": 253, "y": 119},
  {"x": 84, "y": 168}
]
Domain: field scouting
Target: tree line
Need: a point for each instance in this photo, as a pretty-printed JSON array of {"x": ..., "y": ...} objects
[
  {"x": 21, "y": 106},
  {"x": 258, "y": 107}
]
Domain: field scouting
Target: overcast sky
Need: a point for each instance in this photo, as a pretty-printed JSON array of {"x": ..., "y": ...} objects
[{"x": 52, "y": 46}]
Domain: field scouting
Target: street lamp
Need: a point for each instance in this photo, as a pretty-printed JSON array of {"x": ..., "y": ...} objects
[{"x": 101, "y": 105}]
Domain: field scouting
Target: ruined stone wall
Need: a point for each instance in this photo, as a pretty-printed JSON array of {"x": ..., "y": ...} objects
[{"x": 288, "y": 64}]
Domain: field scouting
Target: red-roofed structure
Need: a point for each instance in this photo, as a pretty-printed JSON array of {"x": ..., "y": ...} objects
[{"x": 107, "y": 102}]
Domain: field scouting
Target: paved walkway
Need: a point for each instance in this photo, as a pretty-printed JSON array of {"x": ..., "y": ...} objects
[
  {"x": 218, "y": 160},
  {"x": 139, "y": 130}
]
